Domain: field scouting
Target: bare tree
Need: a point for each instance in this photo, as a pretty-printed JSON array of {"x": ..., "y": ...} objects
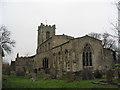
[
  {"x": 5, "y": 41},
  {"x": 106, "y": 40},
  {"x": 95, "y": 35}
]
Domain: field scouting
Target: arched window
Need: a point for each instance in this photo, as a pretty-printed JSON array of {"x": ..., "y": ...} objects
[
  {"x": 59, "y": 58},
  {"x": 66, "y": 51},
  {"x": 45, "y": 63},
  {"x": 66, "y": 54},
  {"x": 47, "y": 35},
  {"x": 87, "y": 56}
]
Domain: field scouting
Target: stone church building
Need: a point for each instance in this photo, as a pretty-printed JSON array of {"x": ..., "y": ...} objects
[{"x": 63, "y": 53}]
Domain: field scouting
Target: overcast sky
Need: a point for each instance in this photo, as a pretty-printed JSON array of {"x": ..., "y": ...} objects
[{"x": 71, "y": 17}]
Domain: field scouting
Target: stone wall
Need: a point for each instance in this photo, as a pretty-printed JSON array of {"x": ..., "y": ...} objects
[
  {"x": 96, "y": 49},
  {"x": 24, "y": 64},
  {"x": 109, "y": 60},
  {"x": 67, "y": 57},
  {"x": 62, "y": 53},
  {"x": 1, "y": 60},
  {"x": 54, "y": 41}
]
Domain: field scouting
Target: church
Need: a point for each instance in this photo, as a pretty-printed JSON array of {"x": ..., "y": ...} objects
[{"x": 62, "y": 53}]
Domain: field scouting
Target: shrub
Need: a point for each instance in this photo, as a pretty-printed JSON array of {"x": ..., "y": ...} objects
[
  {"x": 20, "y": 73},
  {"x": 87, "y": 74},
  {"x": 97, "y": 74},
  {"x": 70, "y": 76},
  {"x": 78, "y": 76},
  {"x": 6, "y": 71}
]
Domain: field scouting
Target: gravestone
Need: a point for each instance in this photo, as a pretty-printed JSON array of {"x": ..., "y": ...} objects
[{"x": 87, "y": 74}]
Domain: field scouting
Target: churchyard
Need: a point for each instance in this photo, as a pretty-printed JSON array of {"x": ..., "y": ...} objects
[
  {"x": 13, "y": 81},
  {"x": 83, "y": 79}
]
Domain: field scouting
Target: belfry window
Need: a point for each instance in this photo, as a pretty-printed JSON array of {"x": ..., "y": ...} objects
[
  {"x": 47, "y": 35},
  {"x": 87, "y": 56}
]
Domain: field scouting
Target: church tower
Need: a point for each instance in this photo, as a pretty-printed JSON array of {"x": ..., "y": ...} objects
[{"x": 45, "y": 32}]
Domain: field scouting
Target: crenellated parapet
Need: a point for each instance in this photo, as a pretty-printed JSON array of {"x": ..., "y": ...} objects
[{"x": 46, "y": 26}]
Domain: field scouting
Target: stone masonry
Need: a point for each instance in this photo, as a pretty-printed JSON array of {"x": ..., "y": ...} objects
[{"x": 59, "y": 54}]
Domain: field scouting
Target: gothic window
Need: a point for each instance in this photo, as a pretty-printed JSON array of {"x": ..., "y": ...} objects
[
  {"x": 83, "y": 58},
  {"x": 66, "y": 51},
  {"x": 66, "y": 54},
  {"x": 58, "y": 53},
  {"x": 59, "y": 57},
  {"x": 87, "y": 56},
  {"x": 45, "y": 63},
  {"x": 53, "y": 54},
  {"x": 90, "y": 59},
  {"x": 47, "y": 35}
]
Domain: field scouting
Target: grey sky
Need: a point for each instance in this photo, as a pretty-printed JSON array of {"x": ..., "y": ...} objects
[{"x": 72, "y": 17}]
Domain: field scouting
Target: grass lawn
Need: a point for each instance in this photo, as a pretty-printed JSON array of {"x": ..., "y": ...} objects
[{"x": 23, "y": 82}]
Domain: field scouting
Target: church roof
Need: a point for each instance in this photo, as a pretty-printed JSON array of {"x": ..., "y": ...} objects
[
  {"x": 76, "y": 38},
  {"x": 88, "y": 37}
]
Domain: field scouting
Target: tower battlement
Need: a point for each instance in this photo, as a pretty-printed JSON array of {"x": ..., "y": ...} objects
[
  {"x": 46, "y": 26},
  {"x": 45, "y": 32}
]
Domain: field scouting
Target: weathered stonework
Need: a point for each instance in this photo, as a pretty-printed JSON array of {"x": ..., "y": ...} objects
[
  {"x": 58, "y": 54},
  {"x": 24, "y": 64},
  {"x": 1, "y": 60}
]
